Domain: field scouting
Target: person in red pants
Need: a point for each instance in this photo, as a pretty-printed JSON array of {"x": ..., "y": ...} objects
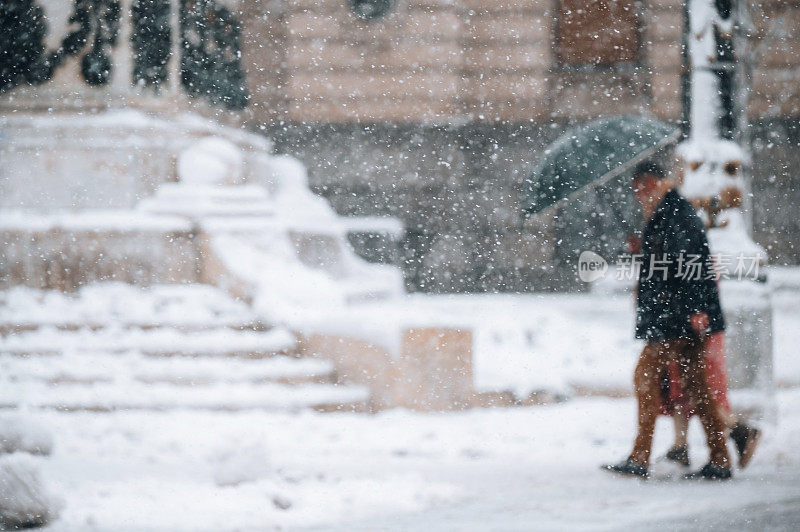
[{"x": 675, "y": 403}]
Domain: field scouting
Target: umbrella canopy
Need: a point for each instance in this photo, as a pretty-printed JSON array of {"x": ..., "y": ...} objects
[{"x": 591, "y": 155}]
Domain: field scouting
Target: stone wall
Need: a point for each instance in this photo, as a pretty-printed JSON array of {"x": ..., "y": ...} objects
[
  {"x": 436, "y": 113},
  {"x": 438, "y": 61},
  {"x": 458, "y": 191},
  {"x": 775, "y": 55},
  {"x": 63, "y": 258},
  {"x": 506, "y": 53}
]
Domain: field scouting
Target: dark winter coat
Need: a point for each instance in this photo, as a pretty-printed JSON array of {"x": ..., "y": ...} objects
[{"x": 674, "y": 246}]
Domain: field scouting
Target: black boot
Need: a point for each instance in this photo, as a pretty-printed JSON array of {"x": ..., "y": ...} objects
[
  {"x": 679, "y": 455},
  {"x": 710, "y": 472},
  {"x": 746, "y": 440},
  {"x": 627, "y": 467}
]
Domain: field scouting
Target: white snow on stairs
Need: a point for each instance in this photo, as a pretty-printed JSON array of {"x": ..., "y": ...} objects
[{"x": 113, "y": 346}]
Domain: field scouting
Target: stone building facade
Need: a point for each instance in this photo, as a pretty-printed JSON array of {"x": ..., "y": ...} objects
[
  {"x": 446, "y": 61},
  {"x": 436, "y": 110}
]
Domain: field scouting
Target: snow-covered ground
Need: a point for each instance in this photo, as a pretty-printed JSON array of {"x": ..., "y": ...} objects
[
  {"x": 563, "y": 343},
  {"x": 499, "y": 469},
  {"x": 556, "y": 343},
  {"x": 545, "y": 342}
]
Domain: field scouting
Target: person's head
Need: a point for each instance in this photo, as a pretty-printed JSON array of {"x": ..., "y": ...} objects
[{"x": 649, "y": 183}]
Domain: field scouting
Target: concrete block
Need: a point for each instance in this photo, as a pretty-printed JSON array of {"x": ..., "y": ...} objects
[{"x": 432, "y": 371}]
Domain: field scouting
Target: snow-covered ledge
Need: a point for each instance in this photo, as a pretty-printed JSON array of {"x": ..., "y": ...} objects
[{"x": 64, "y": 250}]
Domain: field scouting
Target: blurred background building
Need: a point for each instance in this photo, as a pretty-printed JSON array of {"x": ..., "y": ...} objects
[{"x": 434, "y": 111}]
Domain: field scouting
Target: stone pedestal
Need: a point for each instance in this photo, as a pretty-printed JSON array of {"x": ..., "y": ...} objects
[
  {"x": 435, "y": 369},
  {"x": 431, "y": 371},
  {"x": 66, "y": 143}
]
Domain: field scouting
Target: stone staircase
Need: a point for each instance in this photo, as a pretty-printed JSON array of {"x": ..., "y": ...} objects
[{"x": 112, "y": 347}]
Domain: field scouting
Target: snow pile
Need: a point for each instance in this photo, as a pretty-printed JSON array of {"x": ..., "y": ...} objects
[
  {"x": 24, "y": 500},
  {"x": 558, "y": 350},
  {"x": 784, "y": 278},
  {"x": 22, "y": 434},
  {"x": 211, "y": 161},
  {"x": 274, "y": 470},
  {"x": 486, "y": 469},
  {"x": 283, "y": 287},
  {"x": 733, "y": 242},
  {"x": 283, "y": 243},
  {"x": 297, "y": 275},
  {"x": 242, "y": 462},
  {"x": 293, "y": 198},
  {"x": 709, "y": 156},
  {"x": 705, "y": 176}
]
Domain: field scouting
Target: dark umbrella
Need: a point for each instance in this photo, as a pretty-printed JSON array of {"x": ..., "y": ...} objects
[{"x": 591, "y": 155}]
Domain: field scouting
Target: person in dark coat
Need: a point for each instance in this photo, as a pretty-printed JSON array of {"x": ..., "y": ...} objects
[{"x": 677, "y": 306}]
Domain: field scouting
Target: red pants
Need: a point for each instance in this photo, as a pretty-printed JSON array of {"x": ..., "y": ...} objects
[{"x": 673, "y": 396}]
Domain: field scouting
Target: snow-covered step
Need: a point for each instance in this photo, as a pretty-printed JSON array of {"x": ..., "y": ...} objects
[
  {"x": 135, "y": 395},
  {"x": 154, "y": 342},
  {"x": 9, "y": 328},
  {"x": 89, "y": 368},
  {"x": 190, "y": 306},
  {"x": 110, "y": 346}
]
